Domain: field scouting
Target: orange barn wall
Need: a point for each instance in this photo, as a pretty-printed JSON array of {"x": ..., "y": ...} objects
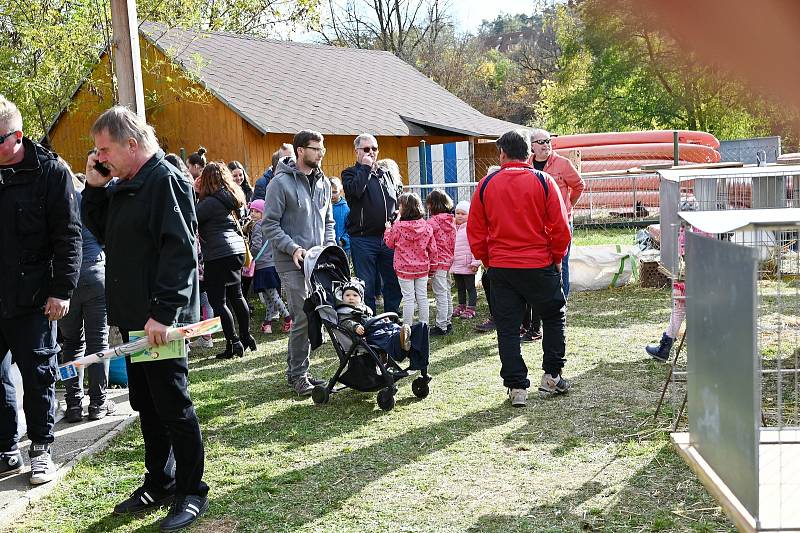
[{"x": 200, "y": 119}]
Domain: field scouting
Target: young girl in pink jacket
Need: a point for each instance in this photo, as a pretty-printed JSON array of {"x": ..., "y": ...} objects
[
  {"x": 440, "y": 209},
  {"x": 464, "y": 266},
  {"x": 414, "y": 247}
]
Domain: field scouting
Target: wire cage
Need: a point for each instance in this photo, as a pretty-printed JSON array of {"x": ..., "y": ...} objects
[
  {"x": 743, "y": 365},
  {"x": 720, "y": 189},
  {"x": 735, "y": 190}
]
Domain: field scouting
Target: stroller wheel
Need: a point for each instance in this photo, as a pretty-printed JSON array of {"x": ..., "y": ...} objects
[
  {"x": 420, "y": 387},
  {"x": 320, "y": 394},
  {"x": 386, "y": 399}
]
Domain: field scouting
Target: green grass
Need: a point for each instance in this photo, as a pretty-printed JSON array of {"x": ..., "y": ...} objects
[
  {"x": 460, "y": 460},
  {"x": 587, "y": 236}
]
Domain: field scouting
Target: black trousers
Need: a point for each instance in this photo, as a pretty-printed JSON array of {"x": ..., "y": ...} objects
[
  {"x": 465, "y": 284},
  {"x": 512, "y": 289},
  {"x": 223, "y": 284},
  {"x": 170, "y": 428},
  {"x": 31, "y": 338},
  {"x": 486, "y": 283}
]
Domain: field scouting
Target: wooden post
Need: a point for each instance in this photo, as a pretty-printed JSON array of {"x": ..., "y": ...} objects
[
  {"x": 575, "y": 157},
  {"x": 127, "y": 61}
]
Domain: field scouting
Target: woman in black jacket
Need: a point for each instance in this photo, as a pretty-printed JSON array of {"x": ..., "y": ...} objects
[
  {"x": 241, "y": 178},
  {"x": 223, "y": 247}
]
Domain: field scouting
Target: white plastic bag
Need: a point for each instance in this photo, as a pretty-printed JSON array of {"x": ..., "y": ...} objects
[{"x": 601, "y": 266}]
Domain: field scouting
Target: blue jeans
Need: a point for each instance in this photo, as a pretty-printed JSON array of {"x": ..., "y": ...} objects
[
  {"x": 370, "y": 257},
  {"x": 565, "y": 271}
]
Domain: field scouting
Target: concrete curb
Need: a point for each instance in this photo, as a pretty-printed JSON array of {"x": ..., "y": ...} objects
[{"x": 14, "y": 511}]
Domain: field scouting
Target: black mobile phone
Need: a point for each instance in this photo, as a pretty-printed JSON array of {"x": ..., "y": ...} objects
[{"x": 102, "y": 169}]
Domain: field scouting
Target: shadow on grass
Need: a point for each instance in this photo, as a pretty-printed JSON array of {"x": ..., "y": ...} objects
[{"x": 634, "y": 506}]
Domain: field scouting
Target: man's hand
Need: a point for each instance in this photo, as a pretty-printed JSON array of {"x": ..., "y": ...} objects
[
  {"x": 55, "y": 309},
  {"x": 367, "y": 159},
  {"x": 359, "y": 330},
  {"x": 298, "y": 256},
  {"x": 558, "y": 266},
  {"x": 93, "y": 177},
  {"x": 474, "y": 268},
  {"x": 156, "y": 332}
]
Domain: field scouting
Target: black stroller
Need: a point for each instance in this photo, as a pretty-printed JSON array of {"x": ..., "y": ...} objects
[{"x": 362, "y": 366}]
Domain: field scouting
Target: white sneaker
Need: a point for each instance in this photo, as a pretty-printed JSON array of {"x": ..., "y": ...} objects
[
  {"x": 518, "y": 397},
  {"x": 200, "y": 342},
  {"x": 43, "y": 470},
  {"x": 553, "y": 385}
]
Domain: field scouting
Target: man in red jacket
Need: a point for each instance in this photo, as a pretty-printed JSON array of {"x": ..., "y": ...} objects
[{"x": 518, "y": 228}]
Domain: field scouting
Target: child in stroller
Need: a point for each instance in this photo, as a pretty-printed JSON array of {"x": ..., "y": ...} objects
[
  {"x": 369, "y": 347},
  {"x": 353, "y": 314}
]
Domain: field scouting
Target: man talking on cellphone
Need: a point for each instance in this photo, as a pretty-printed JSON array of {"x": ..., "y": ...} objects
[{"x": 147, "y": 221}]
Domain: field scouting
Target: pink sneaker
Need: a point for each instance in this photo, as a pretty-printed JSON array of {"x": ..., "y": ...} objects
[
  {"x": 266, "y": 327},
  {"x": 468, "y": 313},
  {"x": 287, "y": 324},
  {"x": 459, "y": 310}
]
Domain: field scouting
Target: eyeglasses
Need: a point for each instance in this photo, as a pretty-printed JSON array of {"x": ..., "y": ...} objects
[
  {"x": 542, "y": 142},
  {"x": 319, "y": 150},
  {"x": 6, "y": 136},
  {"x": 368, "y": 149}
]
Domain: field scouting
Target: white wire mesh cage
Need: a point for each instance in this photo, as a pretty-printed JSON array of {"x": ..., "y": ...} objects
[{"x": 743, "y": 362}]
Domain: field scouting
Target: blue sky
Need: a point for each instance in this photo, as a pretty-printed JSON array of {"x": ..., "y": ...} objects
[
  {"x": 467, "y": 14},
  {"x": 470, "y": 13}
]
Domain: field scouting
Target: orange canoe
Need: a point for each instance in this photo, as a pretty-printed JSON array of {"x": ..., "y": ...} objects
[
  {"x": 599, "y": 165},
  {"x": 634, "y": 137},
  {"x": 694, "y": 153}
]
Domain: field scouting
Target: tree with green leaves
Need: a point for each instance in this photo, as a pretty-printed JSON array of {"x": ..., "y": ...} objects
[{"x": 48, "y": 47}]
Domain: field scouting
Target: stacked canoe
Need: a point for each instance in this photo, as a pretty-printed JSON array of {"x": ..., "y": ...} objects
[{"x": 621, "y": 151}]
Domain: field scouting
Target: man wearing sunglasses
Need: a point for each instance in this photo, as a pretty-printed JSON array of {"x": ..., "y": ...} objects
[
  {"x": 40, "y": 239},
  {"x": 570, "y": 183},
  {"x": 372, "y": 194}
]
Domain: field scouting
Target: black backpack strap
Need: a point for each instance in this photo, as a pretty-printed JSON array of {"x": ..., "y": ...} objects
[
  {"x": 538, "y": 174},
  {"x": 485, "y": 183},
  {"x": 543, "y": 181}
]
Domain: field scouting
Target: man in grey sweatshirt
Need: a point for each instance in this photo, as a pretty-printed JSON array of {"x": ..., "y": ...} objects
[{"x": 298, "y": 216}]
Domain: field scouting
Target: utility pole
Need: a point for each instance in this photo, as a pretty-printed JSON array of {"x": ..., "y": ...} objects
[{"x": 127, "y": 60}]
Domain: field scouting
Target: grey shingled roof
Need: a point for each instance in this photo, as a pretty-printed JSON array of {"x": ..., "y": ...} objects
[{"x": 283, "y": 87}]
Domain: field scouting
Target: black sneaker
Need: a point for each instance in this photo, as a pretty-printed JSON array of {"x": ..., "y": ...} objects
[
  {"x": 96, "y": 412},
  {"x": 436, "y": 331},
  {"x": 143, "y": 499},
  {"x": 10, "y": 463},
  {"x": 185, "y": 510},
  {"x": 74, "y": 414},
  {"x": 530, "y": 336}
]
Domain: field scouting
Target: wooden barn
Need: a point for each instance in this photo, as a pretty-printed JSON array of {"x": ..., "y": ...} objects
[{"x": 241, "y": 97}]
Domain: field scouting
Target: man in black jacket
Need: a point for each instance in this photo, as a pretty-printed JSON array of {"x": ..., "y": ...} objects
[
  {"x": 40, "y": 259},
  {"x": 372, "y": 195},
  {"x": 147, "y": 221}
]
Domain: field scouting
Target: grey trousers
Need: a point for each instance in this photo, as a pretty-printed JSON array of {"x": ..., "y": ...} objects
[
  {"x": 298, "y": 356},
  {"x": 85, "y": 330}
]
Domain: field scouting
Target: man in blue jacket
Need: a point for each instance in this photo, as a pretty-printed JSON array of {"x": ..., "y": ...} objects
[{"x": 372, "y": 195}]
